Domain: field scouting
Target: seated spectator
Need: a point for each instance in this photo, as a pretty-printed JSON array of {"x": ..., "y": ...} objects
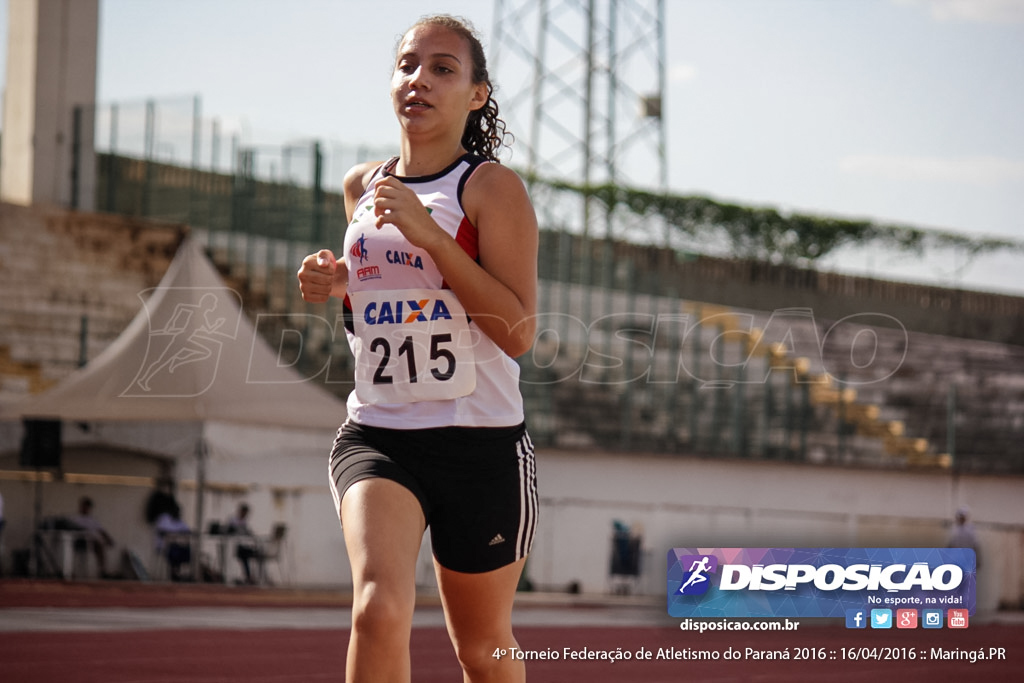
[
  {"x": 248, "y": 550},
  {"x": 172, "y": 543},
  {"x": 95, "y": 537}
]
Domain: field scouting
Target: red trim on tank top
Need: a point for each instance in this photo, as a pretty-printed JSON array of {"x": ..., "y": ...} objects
[{"x": 468, "y": 238}]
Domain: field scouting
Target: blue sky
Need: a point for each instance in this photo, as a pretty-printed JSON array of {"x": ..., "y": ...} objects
[{"x": 907, "y": 111}]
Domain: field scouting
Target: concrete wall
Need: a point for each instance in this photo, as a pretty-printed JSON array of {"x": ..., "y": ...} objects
[
  {"x": 51, "y": 68},
  {"x": 685, "y": 502}
]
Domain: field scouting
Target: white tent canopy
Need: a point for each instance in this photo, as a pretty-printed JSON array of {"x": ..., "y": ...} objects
[
  {"x": 190, "y": 377},
  {"x": 190, "y": 354}
]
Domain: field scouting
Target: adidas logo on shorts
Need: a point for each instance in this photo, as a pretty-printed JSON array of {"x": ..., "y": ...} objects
[{"x": 497, "y": 540}]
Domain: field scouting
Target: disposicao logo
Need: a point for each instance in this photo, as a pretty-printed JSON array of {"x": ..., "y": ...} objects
[
  {"x": 696, "y": 580},
  {"x": 817, "y": 582}
]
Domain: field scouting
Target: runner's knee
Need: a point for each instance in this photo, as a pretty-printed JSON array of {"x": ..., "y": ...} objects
[
  {"x": 476, "y": 654},
  {"x": 380, "y": 611}
]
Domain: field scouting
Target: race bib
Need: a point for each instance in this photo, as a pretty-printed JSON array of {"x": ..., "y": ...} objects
[{"x": 411, "y": 345}]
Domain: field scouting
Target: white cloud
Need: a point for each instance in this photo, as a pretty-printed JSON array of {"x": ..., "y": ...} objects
[
  {"x": 680, "y": 73},
  {"x": 983, "y": 11},
  {"x": 977, "y": 170}
]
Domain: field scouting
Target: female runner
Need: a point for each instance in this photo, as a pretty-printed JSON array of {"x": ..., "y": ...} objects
[{"x": 439, "y": 280}]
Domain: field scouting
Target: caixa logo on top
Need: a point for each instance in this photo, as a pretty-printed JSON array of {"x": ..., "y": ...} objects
[{"x": 816, "y": 582}]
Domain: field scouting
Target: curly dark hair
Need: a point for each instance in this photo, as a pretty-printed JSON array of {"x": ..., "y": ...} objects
[{"x": 485, "y": 131}]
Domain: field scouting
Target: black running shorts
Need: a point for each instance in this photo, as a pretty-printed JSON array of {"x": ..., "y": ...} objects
[{"x": 477, "y": 485}]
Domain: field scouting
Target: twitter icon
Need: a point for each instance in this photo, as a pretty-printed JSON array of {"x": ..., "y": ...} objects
[{"x": 881, "y": 618}]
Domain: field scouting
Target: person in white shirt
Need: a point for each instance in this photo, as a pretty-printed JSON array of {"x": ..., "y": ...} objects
[
  {"x": 96, "y": 537},
  {"x": 246, "y": 549},
  {"x": 172, "y": 542}
]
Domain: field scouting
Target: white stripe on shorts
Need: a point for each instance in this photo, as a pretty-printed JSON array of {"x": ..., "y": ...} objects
[{"x": 528, "y": 498}]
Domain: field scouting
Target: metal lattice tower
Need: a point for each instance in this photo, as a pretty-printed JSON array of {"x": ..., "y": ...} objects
[{"x": 587, "y": 106}]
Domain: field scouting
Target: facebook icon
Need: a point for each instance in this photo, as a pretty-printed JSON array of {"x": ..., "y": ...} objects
[{"x": 856, "y": 618}]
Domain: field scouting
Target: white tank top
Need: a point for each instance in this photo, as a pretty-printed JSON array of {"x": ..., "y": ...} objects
[{"x": 421, "y": 362}]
